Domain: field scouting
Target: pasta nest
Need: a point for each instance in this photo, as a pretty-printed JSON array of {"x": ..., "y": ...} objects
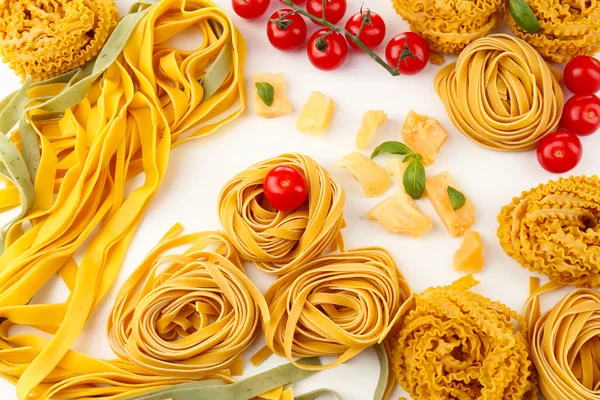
[
  {"x": 554, "y": 229},
  {"x": 275, "y": 241},
  {"x": 568, "y": 28},
  {"x": 455, "y": 344},
  {"x": 187, "y": 315},
  {"x": 501, "y": 94},
  {"x": 450, "y": 25},
  {"x": 338, "y": 304},
  {"x": 45, "y": 38}
]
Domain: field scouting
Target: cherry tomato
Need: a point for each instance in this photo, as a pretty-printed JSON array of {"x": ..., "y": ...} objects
[
  {"x": 581, "y": 114},
  {"x": 286, "y": 30},
  {"x": 408, "y": 52},
  {"x": 334, "y": 9},
  {"x": 327, "y": 50},
  {"x": 372, "y": 33},
  {"x": 250, "y": 8},
  {"x": 559, "y": 152},
  {"x": 285, "y": 188},
  {"x": 582, "y": 75}
]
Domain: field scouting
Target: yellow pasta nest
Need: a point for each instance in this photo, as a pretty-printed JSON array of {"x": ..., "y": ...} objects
[
  {"x": 455, "y": 344},
  {"x": 501, "y": 94},
  {"x": 46, "y": 38},
  {"x": 553, "y": 229},
  {"x": 450, "y": 25},
  {"x": 338, "y": 304},
  {"x": 567, "y": 28},
  {"x": 278, "y": 242}
]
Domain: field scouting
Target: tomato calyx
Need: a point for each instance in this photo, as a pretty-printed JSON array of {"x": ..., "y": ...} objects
[
  {"x": 321, "y": 44},
  {"x": 281, "y": 22},
  {"x": 406, "y": 54},
  {"x": 366, "y": 19}
]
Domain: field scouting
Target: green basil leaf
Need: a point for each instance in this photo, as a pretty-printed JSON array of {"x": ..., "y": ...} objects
[
  {"x": 457, "y": 199},
  {"x": 524, "y": 16},
  {"x": 266, "y": 92},
  {"x": 392, "y": 147},
  {"x": 414, "y": 179}
]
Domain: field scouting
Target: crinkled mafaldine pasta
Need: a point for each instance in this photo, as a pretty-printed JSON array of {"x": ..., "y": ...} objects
[
  {"x": 46, "y": 38},
  {"x": 456, "y": 344},
  {"x": 450, "y": 25},
  {"x": 187, "y": 315},
  {"x": 501, "y": 94},
  {"x": 567, "y": 28},
  {"x": 553, "y": 229},
  {"x": 338, "y": 304},
  {"x": 278, "y": 242}
]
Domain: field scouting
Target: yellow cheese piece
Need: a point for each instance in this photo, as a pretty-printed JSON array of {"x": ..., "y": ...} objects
[
  {"x": 370, "y": 121},
  {"x": 469, "y": 257},
  {"x": 316, "y": 114},
  {"x": 456, "y": 222},
  {"x": 274, "y": 394},
  {"x": 395, "y": 169},
  {"x": 371, "y": 176},
  {"x": 423, "y": 135},
  {"x": 281, "y": 104},
  {"x": 399, "y": 214}
]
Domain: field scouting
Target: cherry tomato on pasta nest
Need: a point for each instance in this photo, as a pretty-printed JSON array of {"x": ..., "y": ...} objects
[
  {"x": 559, "y": 152},
  {"x": 250, "y": 8},
  {"x": 334, "y": 9},
  {"x": 327, "y": 50},
  {"x": 286, "y": 30},
  {"x": 408, "y": 52},
  {"x": 581, "y": 114},
  {"x": 373, "y": 31},
  {"x": 582, "y": 75},
  {"x": 285, "y": 188}
]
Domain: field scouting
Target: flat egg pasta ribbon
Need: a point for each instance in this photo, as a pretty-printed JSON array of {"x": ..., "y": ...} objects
[
  {"x": 133, "y": 114},
  {"x": 501, "y": 94},
  {"x": 279, "y": 242},
  {"x": 553, "y": 229}
]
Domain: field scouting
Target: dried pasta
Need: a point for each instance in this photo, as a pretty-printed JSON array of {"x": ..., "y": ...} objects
[
  {"x": 279, "y": 242},
  {"x": 553, "y": 229},
  {"x": 456, "y": 344},
  {"x": 501, "y": 94},
  {"x": 47, "y": 38}
]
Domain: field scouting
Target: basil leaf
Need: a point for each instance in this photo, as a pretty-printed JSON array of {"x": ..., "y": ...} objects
[
  {"x": 414, "y": 179},
  {"x": 524, "y": 16},
  {"x": 265, "y": 92},
  {"x": 457, "y": 199},
  {"x": 392, "y": 147}
]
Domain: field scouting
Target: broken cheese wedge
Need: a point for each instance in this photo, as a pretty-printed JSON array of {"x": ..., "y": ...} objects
[
  {"x": 395, "y": 169},
  {"x": 399, "y": 214},
  {"x": 316, "y": 114},
  {"x": 281, "y": 104},
  {"x": 424, "y": 136},
  {"x": 469, "y": 257},
  {"x": 456, "y": 222},
  {"x": 370, "y": 121},
  {"x": 370, "y": 175}
]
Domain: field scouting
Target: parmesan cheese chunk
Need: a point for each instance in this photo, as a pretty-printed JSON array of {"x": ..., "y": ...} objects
[
  {"x": 395, "y": 169},
  {"x": 371, "y": 176},
  {"x": 281, "y": 104},
  {"x": 316, "y": 114},
  {"x": 424, "y": 136},
  {"x": 399, "y": 214},
  {"x": 469, "y": 257},
  {"x": 370, "y": 121}
]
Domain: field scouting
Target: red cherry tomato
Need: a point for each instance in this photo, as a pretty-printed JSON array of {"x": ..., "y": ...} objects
[
  {"x": 327, "y": 50},
  {"x": 581, "y": 114},
  {"x": 559, "y": 152},
  {"x": 250, "y": 8},
  {"x": 372, "y": 33},
  {"x": 408, "y": 52},
  {"x": 334, "y": 9},
  {"x": 285, "y": 188},
  {"x": 286, "y": 30},
  {"x": 582, "y": 75}
]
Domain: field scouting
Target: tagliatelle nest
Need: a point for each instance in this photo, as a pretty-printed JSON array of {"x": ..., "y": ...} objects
[
  {"x": 568, "y": 28},
  {"x": 450, "y": 25},
  {"x": 46, "y": 38},
  {"x": 455, "y": 344}
]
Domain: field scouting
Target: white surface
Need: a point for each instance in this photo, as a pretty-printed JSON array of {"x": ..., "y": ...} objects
[{"x": 198, "y": 169}]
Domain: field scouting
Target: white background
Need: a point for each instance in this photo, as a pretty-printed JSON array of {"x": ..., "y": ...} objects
[{"x": 198, "y": 170}]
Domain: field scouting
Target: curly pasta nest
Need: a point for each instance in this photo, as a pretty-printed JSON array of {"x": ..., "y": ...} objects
[
  {"x": 568, "y": 28},
  {"x": 450, "y": 25},
  {"x": 45, "y": 38},
  {"x": 455, "y": 344},
  {"x": 554, "y": 229}
]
